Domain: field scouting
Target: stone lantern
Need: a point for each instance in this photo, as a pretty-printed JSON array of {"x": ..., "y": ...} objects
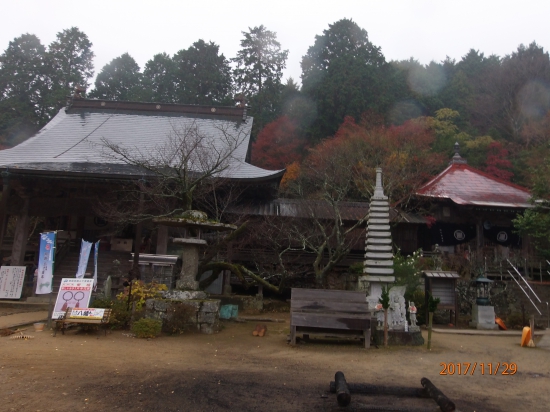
[
  {"x": 194, "y": 222},
  {"x": 482, "y": 287},
  {"x": 483, "y": 315}
]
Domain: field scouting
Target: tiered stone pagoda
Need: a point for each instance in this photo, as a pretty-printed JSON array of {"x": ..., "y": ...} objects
[{"x": 378, "y": 267}]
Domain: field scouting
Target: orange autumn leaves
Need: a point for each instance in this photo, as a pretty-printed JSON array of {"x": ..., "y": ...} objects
[{"x": 403, "y": 152}]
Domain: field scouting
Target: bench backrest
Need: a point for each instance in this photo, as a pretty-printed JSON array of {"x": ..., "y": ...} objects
[
  {"x": 105, "y": 319},
  {"x": 340, "y": 309}
]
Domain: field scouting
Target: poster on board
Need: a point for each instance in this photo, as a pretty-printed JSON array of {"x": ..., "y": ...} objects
[
  {"x": 11, "y": 281},
  {"x": 73, "y": 293}
]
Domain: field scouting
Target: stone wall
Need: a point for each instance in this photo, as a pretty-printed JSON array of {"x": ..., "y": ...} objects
[
  {"x": 245, "y": 302},
  {"x": 206, "y": 318}
]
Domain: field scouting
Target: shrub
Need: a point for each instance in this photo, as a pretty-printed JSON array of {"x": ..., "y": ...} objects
[
  {"x": 418, "y": 298},
  {"x": 178, "y": 318},
  {"x": 147, "y": 328},
  {"x": 142, "y": 291},
  {"x": 407, "y": 271},
  {"x": 356, "y": 268},
  {"x": 120, "y": 315},
  {"x": 516, "y": 321}
]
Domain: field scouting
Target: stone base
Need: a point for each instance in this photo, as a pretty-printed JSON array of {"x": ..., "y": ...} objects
[
  {"x": 187, "y": 284},
  {"x": 483, "y": 317},
  {"x": 400, "y": 338}
]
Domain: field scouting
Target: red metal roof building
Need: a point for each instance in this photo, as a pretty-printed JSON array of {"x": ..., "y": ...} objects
[
  {"x": 473, "y": 212},
  {"x": 467, "y": 186}
]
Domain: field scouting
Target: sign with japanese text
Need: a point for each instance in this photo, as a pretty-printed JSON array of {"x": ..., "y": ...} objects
[
  {"x": 46, "y": 255},
  {"x": 11, "y": 281},
  {"x": 87, "y": 313},
  {"x": 73, "y": 293}
]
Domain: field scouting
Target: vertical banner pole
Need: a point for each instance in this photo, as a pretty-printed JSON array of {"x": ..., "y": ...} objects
[{"x": 50, "y": 302}]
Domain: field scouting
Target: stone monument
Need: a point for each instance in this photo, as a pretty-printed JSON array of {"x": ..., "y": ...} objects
[
  {"x": 378, "y": 267},
  {"x": 194, "y": 222},
  {"x": 206, "y": 311}
]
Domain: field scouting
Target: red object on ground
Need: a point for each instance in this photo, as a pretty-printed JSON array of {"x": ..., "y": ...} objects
[{"x": 500, "y": 323}]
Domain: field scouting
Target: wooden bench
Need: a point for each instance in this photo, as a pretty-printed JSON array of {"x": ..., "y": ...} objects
[
  {"x": 66, "y": 319},
  {"x": 319, "y": 311}
]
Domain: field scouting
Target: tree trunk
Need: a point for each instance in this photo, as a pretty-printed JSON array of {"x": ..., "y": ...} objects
[
  {"x": 430, "y": 317},
  {"x": 386, "y": 327}
]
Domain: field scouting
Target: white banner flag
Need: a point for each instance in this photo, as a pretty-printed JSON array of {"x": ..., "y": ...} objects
[
  {"x": 44, "y": 282},
  {"x": 96, "y": 251},
  {"x": 85, "y": 249}
]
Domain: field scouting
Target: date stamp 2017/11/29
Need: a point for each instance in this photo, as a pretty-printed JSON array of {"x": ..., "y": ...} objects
[{"x": 468, "y": 368}]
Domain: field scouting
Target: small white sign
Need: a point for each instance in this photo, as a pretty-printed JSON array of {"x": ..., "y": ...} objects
[
  {"x": 87, "y": 313},
  {"x": 11, "y": 281}
]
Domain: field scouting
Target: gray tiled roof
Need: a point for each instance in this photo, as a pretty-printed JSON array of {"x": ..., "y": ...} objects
[{"x": 73, "y": 142}]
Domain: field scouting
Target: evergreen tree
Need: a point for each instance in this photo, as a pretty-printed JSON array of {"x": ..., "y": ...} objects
[
  {"x": 345, "y": 75},
  {"x": 158, "y": 79},
  {"x": 70, "y": 57},
  {"x": 119, "y": 80},
  {"x": 258, "y": 74},
  {"x": 202, "y": 75},
  {"x": 24, "y": 87}
]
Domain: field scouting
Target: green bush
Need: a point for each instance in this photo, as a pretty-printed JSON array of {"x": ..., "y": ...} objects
[
  {"x": 407, "y": 270},
  {"x": 356, "y": 268},
  {"x": 419, "y": 301},
  {"x": 120, "y": 315},
  {"x": 147, "y": 328}
]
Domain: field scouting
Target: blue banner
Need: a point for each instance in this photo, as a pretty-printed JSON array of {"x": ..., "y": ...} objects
[
  {"x": 44, "y": 282},
  {"x": 96, "y": 251},
  {"x": 85, "y": 249}
]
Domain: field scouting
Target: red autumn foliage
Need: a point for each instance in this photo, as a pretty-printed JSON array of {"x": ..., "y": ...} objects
[
  {"x": 403, "y": 152},
  {"x": 497, "y": 161},
  {"x": 278, "y": 145}
]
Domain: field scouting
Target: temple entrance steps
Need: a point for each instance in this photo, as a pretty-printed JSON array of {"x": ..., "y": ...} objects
[{"x": 68, "y": 266}]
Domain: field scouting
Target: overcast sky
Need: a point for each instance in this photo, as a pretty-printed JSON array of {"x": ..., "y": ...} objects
[{"x": 423, "y": 29}]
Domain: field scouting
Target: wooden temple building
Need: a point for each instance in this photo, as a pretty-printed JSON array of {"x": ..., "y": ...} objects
[
  {"x": 66, "y": 169},
  {"x": 472, "y": 215},
  {"x": 63, "y": 172}
]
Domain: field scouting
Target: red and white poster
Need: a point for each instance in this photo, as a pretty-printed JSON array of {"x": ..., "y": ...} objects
[
  {"x": 73, "y": 293},
  {"x": 11, "y": 281}
]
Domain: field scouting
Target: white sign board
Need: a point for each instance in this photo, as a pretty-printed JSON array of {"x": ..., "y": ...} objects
[
  {"x": 73, "y": 293},
  {"x": 11, "y": 281},
  {"x": 87, "y": 313}
]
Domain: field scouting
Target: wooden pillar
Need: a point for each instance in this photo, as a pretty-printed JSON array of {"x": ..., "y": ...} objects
[
  {"x": 4, "y": 207},
  {"x": 137, "y": 247},
  {"x": 20, "y": 237},
  {"x": 479, "y": 240},
  {"x": 162, "y": 240}
]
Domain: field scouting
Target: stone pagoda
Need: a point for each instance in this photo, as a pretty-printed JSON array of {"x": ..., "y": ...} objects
[{"x": 378, "y": 267}]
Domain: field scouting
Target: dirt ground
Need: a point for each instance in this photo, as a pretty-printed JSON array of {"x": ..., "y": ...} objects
[{"x": 235, "y": 371}]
